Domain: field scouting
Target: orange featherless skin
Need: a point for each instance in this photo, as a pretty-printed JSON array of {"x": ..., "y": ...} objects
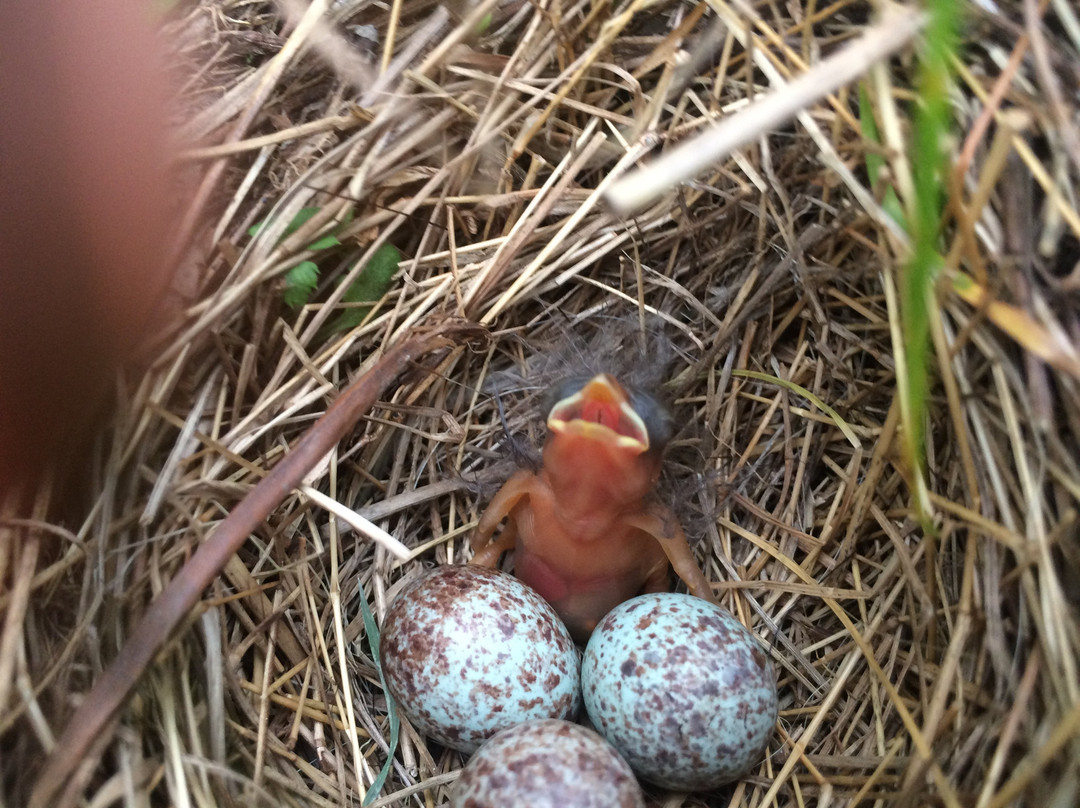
[{"x": 586, "y": 530}]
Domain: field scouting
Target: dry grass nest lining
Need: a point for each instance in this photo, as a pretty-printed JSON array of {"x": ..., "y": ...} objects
[{"x": 915, "y": 667}]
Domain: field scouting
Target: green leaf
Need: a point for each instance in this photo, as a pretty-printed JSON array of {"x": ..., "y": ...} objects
[
  {"x": 373, "y": 282},
  {"x": 298, "y": 221},
  {"x": 324, "y": 243},
  {"x": 300, "y": 282},
  {"x": 301, "y": 218}
]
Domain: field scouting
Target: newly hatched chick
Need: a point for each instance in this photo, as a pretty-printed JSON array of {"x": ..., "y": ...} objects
[{"x": 587, "y": 531}]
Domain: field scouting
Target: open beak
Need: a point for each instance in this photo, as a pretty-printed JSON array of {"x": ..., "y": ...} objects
[{"x": 600, "y": 411}]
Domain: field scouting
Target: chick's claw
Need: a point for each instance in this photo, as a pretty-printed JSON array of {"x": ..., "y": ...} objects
[
  {"x": 487, "y": 555},
  {"x": 586, "y": 531}
]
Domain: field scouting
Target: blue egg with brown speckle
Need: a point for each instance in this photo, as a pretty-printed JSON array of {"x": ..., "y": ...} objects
[
  {"x": 681, "y": 688},
  {"x": 468, "y": 651},
  {"x": 547, "y": 764}
]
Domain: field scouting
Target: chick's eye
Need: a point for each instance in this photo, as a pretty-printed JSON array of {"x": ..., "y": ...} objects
[{"x": 655, "y": 416}]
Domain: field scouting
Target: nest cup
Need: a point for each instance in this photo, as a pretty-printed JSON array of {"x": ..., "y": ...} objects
[{"x": 918, "y": 603}]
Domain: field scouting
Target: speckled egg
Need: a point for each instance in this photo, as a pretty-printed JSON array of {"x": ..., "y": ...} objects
[
  {"x": 681, "y": 689},
  {"x": 468, "y": 651},
  {"x": 547, "y": 764}
]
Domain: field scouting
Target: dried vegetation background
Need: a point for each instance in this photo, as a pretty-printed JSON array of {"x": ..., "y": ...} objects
[{"x": 920, "y": 663}]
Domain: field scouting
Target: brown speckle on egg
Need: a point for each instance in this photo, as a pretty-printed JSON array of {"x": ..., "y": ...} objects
[
  {"x": 547, "y": 764},
  {"x": 690, "y": 704},
  {"x": 467, "y": 651}
]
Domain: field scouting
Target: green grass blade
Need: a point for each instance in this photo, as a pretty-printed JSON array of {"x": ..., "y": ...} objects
[
  {"x": 931, "y": 127},
  {"x": 372, "y": 632}
]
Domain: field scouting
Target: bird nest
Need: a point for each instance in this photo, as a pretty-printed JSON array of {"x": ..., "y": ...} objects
[{"x": 911, "y": 569}]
